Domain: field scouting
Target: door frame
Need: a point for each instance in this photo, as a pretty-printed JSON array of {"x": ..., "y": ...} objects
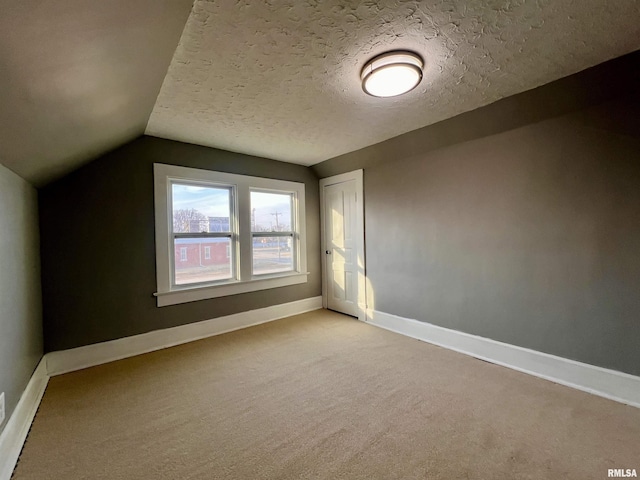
[{"x": 361, "y": 283}]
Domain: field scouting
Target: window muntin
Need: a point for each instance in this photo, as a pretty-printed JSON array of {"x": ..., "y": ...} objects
[{"x": 282, "y": 263}]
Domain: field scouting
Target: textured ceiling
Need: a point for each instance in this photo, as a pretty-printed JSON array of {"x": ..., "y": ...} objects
[
  {"x": 79, "y": 77},
  {"x": 280, "y": 79}
]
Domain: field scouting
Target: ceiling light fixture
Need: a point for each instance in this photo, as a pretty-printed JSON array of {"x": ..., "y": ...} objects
[{"x": 391, "y": 74}]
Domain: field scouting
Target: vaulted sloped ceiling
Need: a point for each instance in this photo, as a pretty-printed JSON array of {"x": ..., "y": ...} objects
[
  {"x": 278, "y": 79},
  {"x": 79, "y": 77},
  {"x": 281, "y": 79}
]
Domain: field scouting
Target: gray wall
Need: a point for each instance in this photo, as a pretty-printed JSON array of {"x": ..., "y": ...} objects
[
  {"x": 530, "y": 236},
  {"x": 20, "y": 299},
  {"x": 98, "y": 247}
]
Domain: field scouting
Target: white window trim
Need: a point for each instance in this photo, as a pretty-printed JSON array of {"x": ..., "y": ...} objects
[{"x": 245, "y": 281}]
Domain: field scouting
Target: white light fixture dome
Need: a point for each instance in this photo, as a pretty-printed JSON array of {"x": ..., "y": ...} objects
[{"x": 391, "y": 74}]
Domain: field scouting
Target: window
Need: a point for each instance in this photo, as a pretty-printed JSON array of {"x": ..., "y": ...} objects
[
  {"x": 271, "y": 232},
  {"x": 221, "y": 234}
]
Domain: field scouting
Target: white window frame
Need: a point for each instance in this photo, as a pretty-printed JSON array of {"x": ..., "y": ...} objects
[
  {"x": 280, "y": 234},
  {"x": 184, "y": 256},
  {"x": 207, "y": 252},
  {"x": 243, "y": 279}
]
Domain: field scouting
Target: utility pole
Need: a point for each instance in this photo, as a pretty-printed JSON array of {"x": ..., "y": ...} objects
[{"x": 277, "y": 214}]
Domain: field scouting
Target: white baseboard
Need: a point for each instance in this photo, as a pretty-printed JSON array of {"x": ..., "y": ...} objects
[
  {"x": 18, "y": 425},
  {"x": 610, "y": 384},
  {"x": 65, "y": 361}
]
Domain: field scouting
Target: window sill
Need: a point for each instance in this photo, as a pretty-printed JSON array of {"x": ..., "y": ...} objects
[{"x": 176, "y": 297}]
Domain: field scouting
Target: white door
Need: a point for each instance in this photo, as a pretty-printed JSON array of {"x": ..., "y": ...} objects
[{"x": 341, "y": 249}]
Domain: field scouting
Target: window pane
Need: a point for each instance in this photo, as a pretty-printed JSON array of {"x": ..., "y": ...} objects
[
  {"x": 193, "y": 265},
  {"x": 271, "y": 212},
  {"x": 272, "y": 255},
  {"x": 200, "y": 209}
]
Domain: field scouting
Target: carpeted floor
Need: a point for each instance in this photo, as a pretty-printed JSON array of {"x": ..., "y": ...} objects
[{"x": 324, "y": 396}]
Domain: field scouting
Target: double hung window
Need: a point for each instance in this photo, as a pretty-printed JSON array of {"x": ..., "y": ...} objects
[{"x": 221, "y": 234}]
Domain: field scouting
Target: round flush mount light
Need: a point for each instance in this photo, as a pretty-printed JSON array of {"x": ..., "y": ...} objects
[{"x": 391, "y": 74}]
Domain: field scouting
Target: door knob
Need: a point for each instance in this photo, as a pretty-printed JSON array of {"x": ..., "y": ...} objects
[{"x": 328, "y": 252}]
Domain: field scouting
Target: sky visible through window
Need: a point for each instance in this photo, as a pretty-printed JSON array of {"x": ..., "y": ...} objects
[
  {"x": 271, "y": 211},
  {"x": 211, "y": 202}
]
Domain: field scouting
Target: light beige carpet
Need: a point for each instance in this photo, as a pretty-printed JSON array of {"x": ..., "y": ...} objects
[{"x": 323, "y": 396}]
